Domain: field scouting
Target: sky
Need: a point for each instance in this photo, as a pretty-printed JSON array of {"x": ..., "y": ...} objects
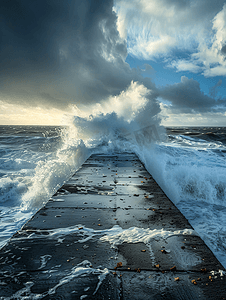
[{"x": 59, "y": 57}]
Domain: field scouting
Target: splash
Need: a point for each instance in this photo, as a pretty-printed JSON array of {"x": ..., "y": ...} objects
[
  {"x": 115, "y": 123},
  {"x": 46, "y": 159},
  {"x": 120, "y": 118},
  {"x": 51, "y": 174}
]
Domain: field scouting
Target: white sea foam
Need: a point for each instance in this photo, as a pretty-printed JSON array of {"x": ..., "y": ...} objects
[
  {"x": 83, "y": 269},
  {"x": 115, "y": 235},
  {"x": 44, "y": 259},
  {"x": 141, "y": 235}
]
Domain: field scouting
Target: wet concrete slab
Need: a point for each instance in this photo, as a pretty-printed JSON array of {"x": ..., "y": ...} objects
[
  {"x": 54, "y": 218},
  {"x": 109, "y": 232},
  {"x": 171, "y": 285}
]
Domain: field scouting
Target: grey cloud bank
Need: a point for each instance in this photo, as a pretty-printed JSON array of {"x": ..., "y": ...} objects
[{"x": 187, "y": 97}]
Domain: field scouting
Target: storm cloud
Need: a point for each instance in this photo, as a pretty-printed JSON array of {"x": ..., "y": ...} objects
[
  {"x": 55, "y": 53},
  {"x": 187, "y": 97}
]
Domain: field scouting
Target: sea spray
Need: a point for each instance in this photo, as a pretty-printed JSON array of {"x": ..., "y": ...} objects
[
  {"x": 132, "y": 110},
  {"x": 34, "y": 169},
  {"x": 120, "y": 122},
  {"x": 193, "y": 175},
  {"x": 51, "y": 174}
]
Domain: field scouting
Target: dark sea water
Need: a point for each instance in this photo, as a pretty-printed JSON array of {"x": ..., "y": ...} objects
[{"x": 189, "y": 165}]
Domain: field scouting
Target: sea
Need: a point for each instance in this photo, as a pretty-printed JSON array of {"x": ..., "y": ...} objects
[{"x": 189, "y": 164}]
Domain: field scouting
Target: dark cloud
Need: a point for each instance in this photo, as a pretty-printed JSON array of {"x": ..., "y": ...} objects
[
  {"x": 55, "y": 52},
  {"x": 223, "y": 50},
  {"x": 187, "y": 97},
  {"x": 206, "y": 8}
]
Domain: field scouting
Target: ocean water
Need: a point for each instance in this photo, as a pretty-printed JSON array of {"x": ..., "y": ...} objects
[{"x": 188, "y": 163}]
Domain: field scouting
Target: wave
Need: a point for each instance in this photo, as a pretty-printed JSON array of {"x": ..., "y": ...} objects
[{"x": 190, "y": 168}]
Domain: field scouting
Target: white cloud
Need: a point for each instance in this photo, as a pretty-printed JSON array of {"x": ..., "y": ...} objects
[
  {"x": 212, "y": 57},
  {"x": 158, "y": 28},
  {"x": 215, "y": 71},
  {"x": 148, "y": 26},
  {"x": 148, "y": 47},
  {"x": 184, "y": 65}
]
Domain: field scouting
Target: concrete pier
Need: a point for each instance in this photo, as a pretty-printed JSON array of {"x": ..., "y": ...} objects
[{"x": 109, "y": 232}]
